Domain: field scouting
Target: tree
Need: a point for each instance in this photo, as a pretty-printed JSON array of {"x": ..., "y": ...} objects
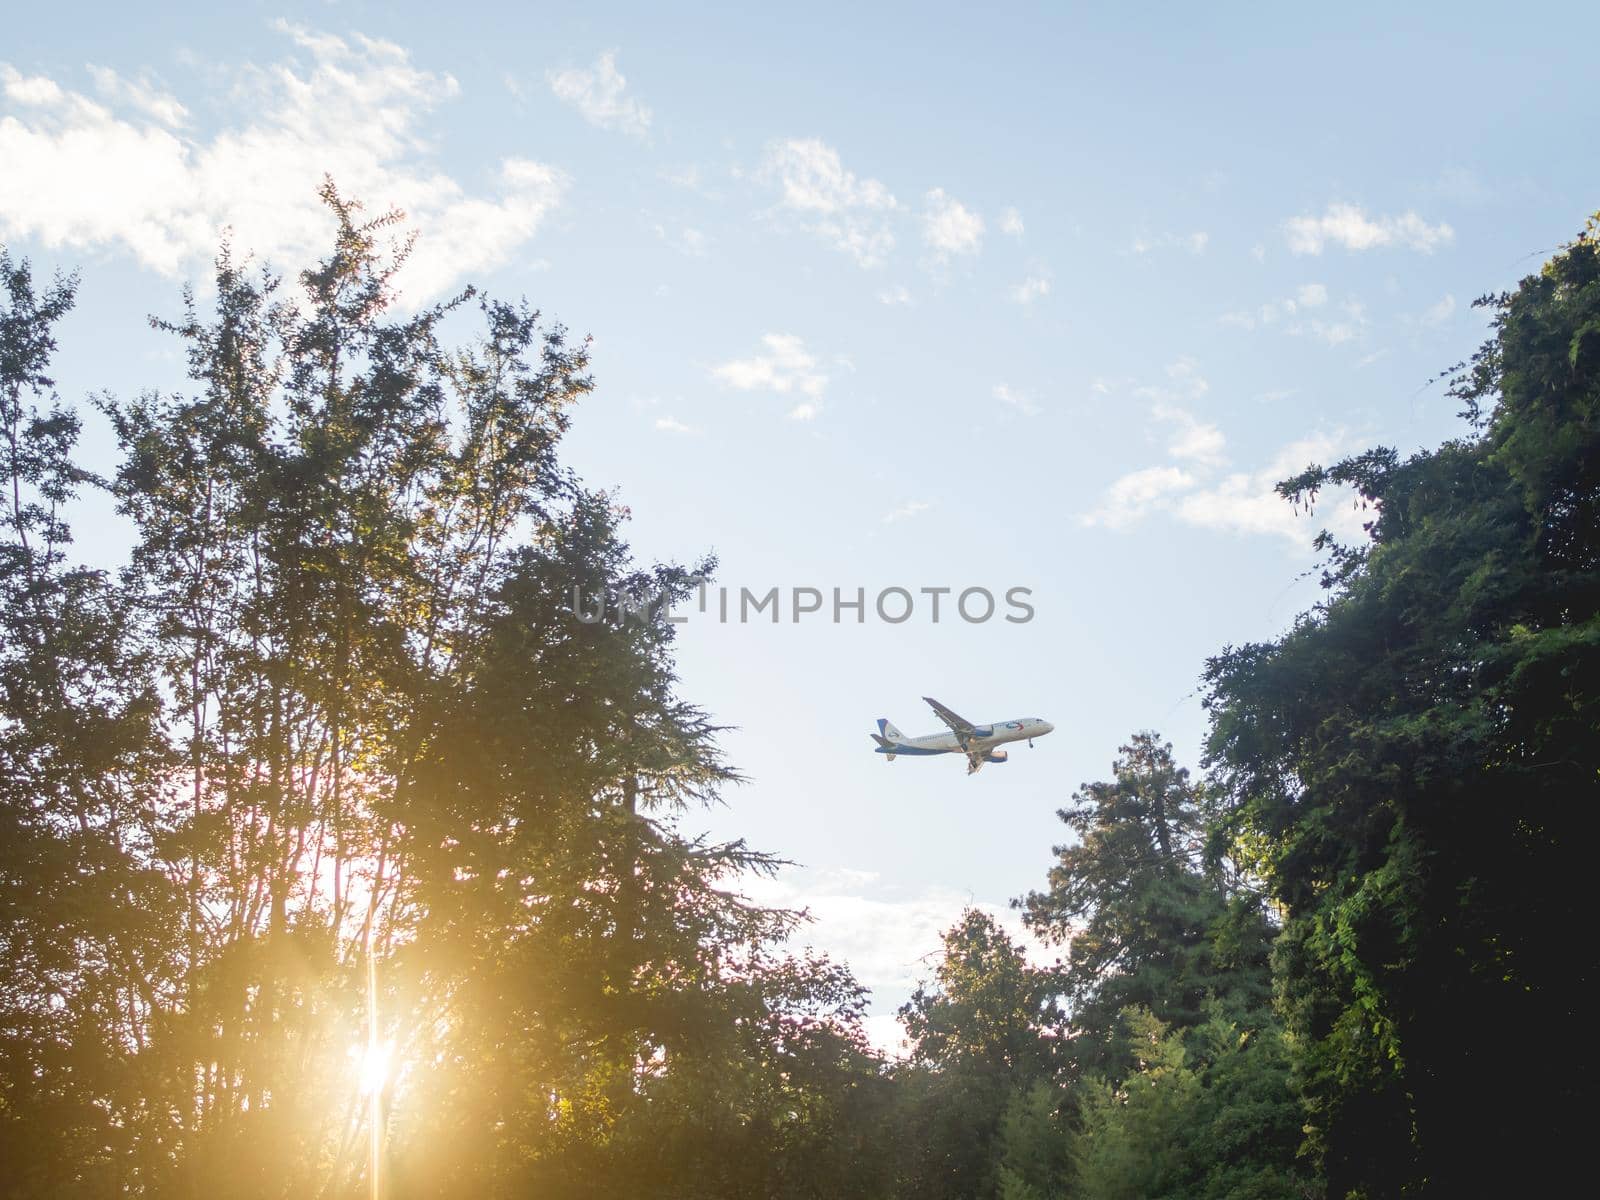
[
  {"x": 982, "y": 1032},
  {"x": 86, "y": 912},
  {"x": 1035, "y": 1145},
  {"x": 1149, "y": 921},
  {"x": 1413, "y": 769},
  {"x": 339, "y": 842},
  {"x": 1207, "y": 1115}
]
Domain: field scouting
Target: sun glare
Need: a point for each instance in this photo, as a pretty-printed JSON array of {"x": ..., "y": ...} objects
[{"x": 374, "y": 1060}]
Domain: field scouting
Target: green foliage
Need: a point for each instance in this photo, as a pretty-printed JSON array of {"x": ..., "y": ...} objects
[
  {"x": 1413, "y": 769},
  {"x": 1034, "y": 1148},
  {"x": 981, "y": 1033},
  {"x": 85, "y": 911},
  {"x": 336, "y": 760},
  {"x": 1181, "y": 1078},
  {"x": 1150, "y": 922},
  {"x": 340, "y": 758},
  {"x": 1209, "y": 1116},
  {"x": 1007, "y": 1095}
]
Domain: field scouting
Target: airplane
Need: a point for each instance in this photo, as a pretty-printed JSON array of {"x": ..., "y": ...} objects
[{"x": 977, "y": 742}]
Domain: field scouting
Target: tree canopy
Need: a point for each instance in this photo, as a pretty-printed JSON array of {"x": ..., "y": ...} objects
[
  {"x": 1413, "y": 772},
  {"x": 333, "y": 771},
  {"x": 341, "y": 854}
]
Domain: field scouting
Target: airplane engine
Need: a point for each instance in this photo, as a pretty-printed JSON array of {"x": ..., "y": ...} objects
[{"x": 997, "y": 756}]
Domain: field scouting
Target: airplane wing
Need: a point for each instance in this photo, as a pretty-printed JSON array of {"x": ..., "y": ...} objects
[
  {"x": 964, "y": 731},
  {"x": 960, "y": 726}
]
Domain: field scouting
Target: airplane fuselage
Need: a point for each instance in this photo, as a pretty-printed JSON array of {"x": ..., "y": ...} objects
[{"x": 984, "y": 737}]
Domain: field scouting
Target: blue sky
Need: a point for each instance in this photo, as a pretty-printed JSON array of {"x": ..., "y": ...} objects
[{"x": 912, "y": 296}]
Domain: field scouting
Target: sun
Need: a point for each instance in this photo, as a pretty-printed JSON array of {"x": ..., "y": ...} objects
[{"x": 374, "y": 1062}]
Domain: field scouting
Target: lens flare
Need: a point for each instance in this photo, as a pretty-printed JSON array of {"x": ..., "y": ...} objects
[{"x": 375, "y": 1062}]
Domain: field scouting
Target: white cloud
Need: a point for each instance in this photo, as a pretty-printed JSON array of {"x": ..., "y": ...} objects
[
  {"x": 844, "y": 210},
  {"x": 1199, "y": 493},
  {"x": 1194, "y": 243},
  {"x": 1134, "y": 496},
  {"x": 1198, "y": 442},
  {"x": 141, "y": 96},
  {"x": 684, "y": 240},
  {"x": 1441, "y": 312},
  {"x": 1348, "y": 226},
  {"x": 950, "y": 227},
  {"x": 815, "y": 180},
  {"x": 673, "y": 425},
  {"x": 1011, "y": 222},
  {"x": 1020, "y": 401},
  {"x": 1184, "y": 383},
  {"x": 1290, "y": 314},
  {"x": 1248, "y": 503},
  {"x": 687, "y": 176},
  {"x": 119, "y": 176},
  {"x": 909, "y": 509},
  {"x": 890, "y": 935},
  {"x": 898, "y": 294},
  {"x": 784, "y": 366},
  {"x": 1035, "y": 287},
  {"x": 599, "y": 94},
  {"x": 1335, "y": 332},
  {"x": 1242, "y": 502},
  {"x": 886, "y": 1033},
  {"x": 1194, "y": 439}
]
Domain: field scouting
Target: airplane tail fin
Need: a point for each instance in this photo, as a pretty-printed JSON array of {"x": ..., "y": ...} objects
[{"x": 887, "y": 738}]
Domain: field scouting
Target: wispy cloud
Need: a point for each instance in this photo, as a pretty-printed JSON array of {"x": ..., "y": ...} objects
[
  {"x": 1194, "y": 243},
  {"x": 1349, "y": 226},
  {"x": 1011, "y": 223},
  {"x": 1184, "y": 383},
  {"x": 683, "y": 239},
  {"x": 846, "y": 211},
  {"x": 1020, "y": 401},
  {"x": 950, "y": 227},
  {"x": 600, "y": 94},
  {"x": 1304, "y": 315},
  {"x": 1248, "y": 502},
  {"x": 141, "y": 96},
  {"x": 1438, "y": 314},
  {"x": 897, "y": 294},
  {"x": 1239, "y": 502},
  {"x": 1135, "y": 495},
  {"x": 122, "y": 175},
  {"x": 673, "y": 425},
  {"x": 1035, "y": 287},
  {"x": 1193, "y": 439},
  {"x": 907, "y": 510},
  {"x": 1199, "y": 491},
  {"x": 783, "y": 366}
]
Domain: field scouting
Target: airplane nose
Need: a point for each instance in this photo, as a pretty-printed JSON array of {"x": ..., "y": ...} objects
[{"x": 1048, "y": 728}]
